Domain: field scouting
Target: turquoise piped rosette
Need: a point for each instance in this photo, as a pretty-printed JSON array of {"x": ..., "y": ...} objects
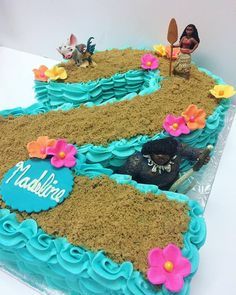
[
  {"x": 34, "y": 109},
  {"x": 75, "y": 270},
  {"x": 101, "y": 91},
  {"x": 53, "y": 96}
]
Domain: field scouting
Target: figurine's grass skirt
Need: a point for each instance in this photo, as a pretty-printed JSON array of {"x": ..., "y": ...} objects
[{"x": 183, "y": 65}]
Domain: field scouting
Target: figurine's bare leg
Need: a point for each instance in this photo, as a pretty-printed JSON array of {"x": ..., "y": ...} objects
[{"x": 85, "y": 64}]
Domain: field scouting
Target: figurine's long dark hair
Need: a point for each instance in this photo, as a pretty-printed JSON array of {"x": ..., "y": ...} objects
[{"x": 194, "y": 35}]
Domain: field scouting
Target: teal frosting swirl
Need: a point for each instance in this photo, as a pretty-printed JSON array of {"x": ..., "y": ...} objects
[
  {"x": 34, "y": 109},
  {"x": 77, "y": 270},
  {"x": 66, "y": 96},
  {"x": 102, "y": 91}
]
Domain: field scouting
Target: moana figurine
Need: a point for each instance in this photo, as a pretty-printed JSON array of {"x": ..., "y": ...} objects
[
  {"x": 159, "y": 162},
  {"x": 189, "y": 42}
]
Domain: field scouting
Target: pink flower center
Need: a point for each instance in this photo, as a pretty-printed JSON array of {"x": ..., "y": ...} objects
[
  {"x": 221, "y": 92},
  {"x": 191, "y": 119},
  {"x": 43, "y": 150},
  {"x": 175, "y": 126},
  {"x": 149, "y": 63},
  {"x": 62, "y": 155},
  {"x": 42, "y": 75},
  {"x": 168, "y": 266}
]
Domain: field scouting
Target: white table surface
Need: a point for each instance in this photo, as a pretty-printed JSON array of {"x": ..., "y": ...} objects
[{"x": 217, "y": 271}]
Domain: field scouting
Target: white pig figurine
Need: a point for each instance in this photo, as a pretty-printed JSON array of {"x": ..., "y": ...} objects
[{"x": 81, "y": 53}]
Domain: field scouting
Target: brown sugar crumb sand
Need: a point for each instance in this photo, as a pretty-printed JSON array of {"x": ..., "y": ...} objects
[
  {"x": 109, "y": 62},
  {"x": 103, "y": 215},
  {"x": 100, "y": 125}
]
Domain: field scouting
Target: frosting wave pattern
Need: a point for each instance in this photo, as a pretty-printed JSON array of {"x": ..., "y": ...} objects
[
  {"x": 98, "y": 92},
  {"x": 34, "y": 109},
  {"x": 150, "y": 82},
  {"x": 60, "y": 265}
]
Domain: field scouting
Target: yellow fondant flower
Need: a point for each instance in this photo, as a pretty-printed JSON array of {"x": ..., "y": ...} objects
[
  {"x": 160, "y": 50},
  {"x": 56, "y": 73},
  {"x": 223, "y": 91}
]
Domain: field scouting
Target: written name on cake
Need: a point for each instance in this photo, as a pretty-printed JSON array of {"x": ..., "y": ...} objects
[{"x": 43, "y": 186}]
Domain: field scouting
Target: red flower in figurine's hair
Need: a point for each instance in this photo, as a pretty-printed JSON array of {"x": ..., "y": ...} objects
[{"x": 63, "y": 154}]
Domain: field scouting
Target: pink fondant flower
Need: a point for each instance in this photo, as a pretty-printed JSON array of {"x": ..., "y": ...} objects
[
  {"x": 175, "y": 126},
  {"x": 37, "y": 149},
  {"x": 168, "y": 267},
  {"x": 149, "y": 62},
  {"x": 63, "y": 154}
]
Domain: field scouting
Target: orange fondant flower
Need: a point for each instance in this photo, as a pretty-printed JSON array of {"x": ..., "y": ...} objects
[
  {"x": 56, "y": 73},
  {"x": 195, "y": 118},
  {"x": 37, "y": 149},
  {"x": 223, "y": 91},
  {"x": 39, "y": 74},
  {"x": 175, "y": 53}
]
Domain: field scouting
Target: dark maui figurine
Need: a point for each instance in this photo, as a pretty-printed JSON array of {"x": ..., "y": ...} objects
[
  {"x": 189, "y": 42},
  {"x": 81, "y": 53},
  {"x": 159, "y": 162}
]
